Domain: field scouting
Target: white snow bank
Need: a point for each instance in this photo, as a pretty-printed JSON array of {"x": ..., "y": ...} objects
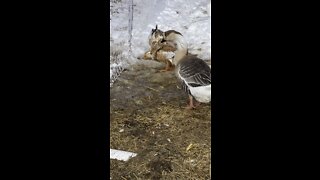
[{"x": 190, "y": 17}]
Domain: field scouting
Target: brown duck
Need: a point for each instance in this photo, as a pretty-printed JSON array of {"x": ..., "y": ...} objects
[{"x": 161, "y": 48}]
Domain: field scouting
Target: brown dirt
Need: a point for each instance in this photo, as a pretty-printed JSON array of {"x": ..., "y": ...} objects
[{"x": 148, "y": 118}]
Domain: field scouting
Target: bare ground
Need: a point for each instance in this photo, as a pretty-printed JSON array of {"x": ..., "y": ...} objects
[{"x": 148, "y": 118}]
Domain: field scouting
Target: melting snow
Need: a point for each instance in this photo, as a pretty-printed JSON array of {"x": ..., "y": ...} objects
[{"x": 190, "y": 17}]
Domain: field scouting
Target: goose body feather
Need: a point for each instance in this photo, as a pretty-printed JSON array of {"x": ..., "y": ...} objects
[{"x": 195, "y": 76}]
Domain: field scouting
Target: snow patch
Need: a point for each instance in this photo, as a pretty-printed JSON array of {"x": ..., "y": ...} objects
[{"x": 190, "y": 17}]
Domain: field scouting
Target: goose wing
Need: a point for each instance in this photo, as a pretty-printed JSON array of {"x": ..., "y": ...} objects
[{"x": 194, "y": 72}]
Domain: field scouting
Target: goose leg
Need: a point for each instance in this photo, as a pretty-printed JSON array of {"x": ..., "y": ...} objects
[
  {"x": 190, "y": 105},
  {"x": 197, "y": 103}
]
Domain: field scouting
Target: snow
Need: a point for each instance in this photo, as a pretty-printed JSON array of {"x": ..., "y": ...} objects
[{"x": 190, "y": 17}]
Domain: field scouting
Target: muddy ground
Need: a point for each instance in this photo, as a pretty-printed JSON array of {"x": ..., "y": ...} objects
[{"x": 148, "y": 118}]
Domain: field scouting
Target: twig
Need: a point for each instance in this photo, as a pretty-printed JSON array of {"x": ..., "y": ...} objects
[{"x": 151, "y": 88}]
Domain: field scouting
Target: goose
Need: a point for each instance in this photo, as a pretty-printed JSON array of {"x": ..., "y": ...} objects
[{"x": 194, "y": 74}]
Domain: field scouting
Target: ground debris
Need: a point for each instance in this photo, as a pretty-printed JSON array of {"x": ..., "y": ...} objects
[{"x": 158, "y": 128}]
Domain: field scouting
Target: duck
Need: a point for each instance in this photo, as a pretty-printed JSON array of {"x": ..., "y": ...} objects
[
  {"x": 162, "y": 51},
  {"x": 194, "y": 74},
  {"x": 163, "y": 55}
]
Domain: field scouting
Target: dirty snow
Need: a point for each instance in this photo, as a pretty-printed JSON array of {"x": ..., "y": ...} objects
[{"x": 190, "y": 17}]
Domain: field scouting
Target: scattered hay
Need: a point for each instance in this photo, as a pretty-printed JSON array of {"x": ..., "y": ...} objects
[{"x": 158, "y": 129}]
